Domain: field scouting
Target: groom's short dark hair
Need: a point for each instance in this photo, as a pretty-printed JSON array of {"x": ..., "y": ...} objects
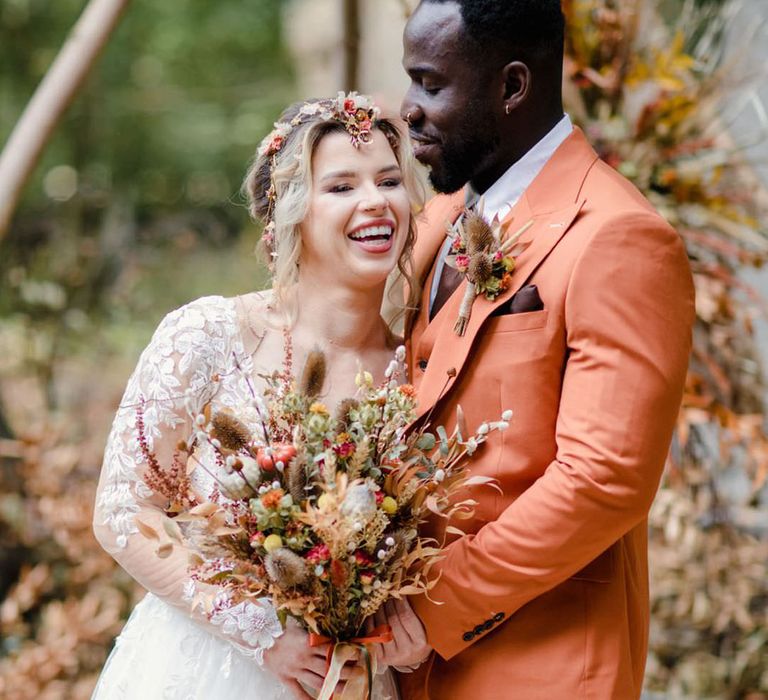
[{"x": 533, "y": 28}]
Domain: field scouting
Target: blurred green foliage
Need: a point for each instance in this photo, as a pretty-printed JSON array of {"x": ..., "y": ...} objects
[{"x": 135, "y": 207}]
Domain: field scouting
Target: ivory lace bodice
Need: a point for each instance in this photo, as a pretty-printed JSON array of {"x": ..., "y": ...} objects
[{"x": 196, "y": 356}]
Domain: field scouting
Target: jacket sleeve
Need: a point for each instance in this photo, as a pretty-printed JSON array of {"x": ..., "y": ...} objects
[
  {"x": 629, "y": 312},
  {"x": 174, "y": 379}
]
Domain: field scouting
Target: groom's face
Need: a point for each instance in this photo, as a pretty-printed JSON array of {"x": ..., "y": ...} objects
[{"x": 448, "y": 104}]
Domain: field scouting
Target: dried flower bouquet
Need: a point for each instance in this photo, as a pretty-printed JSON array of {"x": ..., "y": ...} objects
[{"x": 318, "y": 511}]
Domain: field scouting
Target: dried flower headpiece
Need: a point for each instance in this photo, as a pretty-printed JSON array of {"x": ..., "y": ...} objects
[{"x": 356, "y": 113}]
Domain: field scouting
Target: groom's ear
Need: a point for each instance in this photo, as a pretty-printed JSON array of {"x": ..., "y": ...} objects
[{"x": 517, "y": 84}]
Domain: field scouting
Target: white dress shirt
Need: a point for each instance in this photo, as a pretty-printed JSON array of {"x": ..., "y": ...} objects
[{"x": 503, "y": 194}]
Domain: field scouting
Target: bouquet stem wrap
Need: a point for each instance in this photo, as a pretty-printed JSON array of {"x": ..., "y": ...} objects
[{"x": 359, "y": 687}]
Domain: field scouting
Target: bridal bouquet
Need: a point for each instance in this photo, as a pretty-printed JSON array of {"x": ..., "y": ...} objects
[{"x": 318, "y": 509}]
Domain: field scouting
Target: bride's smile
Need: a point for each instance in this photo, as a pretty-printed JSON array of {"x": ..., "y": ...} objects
[{"x": 359, "y": 213}]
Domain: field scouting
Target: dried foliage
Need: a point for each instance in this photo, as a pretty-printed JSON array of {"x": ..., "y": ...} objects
[
  {"x": 651, "y": 98},
  {"x": 62, "y": 599},
  {"x": 334, "y": 543}
]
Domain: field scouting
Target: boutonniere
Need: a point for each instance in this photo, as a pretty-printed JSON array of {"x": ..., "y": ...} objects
[{"x": 485, "y": 255}]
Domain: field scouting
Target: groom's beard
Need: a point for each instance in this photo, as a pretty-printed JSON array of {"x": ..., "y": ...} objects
[{"x": 463, "y": 155}]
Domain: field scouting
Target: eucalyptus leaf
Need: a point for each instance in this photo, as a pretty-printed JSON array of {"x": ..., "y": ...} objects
[
  {"x": 444, "y": 449},
  {"x": 426, "y": 442}
]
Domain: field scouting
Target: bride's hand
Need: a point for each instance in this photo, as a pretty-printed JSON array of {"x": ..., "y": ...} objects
[
  {"x": 294, "y": 662},
  {"x": 409, "y": 647}
]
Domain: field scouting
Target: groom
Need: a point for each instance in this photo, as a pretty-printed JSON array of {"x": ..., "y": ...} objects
[{"x": 547, "y": 595}]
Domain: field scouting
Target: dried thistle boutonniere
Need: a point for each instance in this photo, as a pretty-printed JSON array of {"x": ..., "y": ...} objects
[{"x": 483, "y": 255}]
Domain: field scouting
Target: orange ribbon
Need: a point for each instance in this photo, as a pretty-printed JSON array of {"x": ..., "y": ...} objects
[
  {"x": 379, "y": 635},
  {"x": 341, "y": 652}
]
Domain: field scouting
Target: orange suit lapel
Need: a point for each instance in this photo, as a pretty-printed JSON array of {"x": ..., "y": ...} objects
[
  {"x": 432, "y": 231},
  {"x": 551, "y": 204}
]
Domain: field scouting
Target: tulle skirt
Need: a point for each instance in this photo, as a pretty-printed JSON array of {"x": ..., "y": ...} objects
[{"x": 162, "y": 654}]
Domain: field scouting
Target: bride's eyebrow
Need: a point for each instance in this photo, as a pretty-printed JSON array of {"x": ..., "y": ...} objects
[{"x": 338, "y": 174}]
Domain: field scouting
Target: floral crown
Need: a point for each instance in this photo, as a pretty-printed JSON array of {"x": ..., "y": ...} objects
[{"x": 356, "y": 113}]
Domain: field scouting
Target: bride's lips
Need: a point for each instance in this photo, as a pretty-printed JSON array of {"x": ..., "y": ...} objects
[{"x": 374, "y": 236}]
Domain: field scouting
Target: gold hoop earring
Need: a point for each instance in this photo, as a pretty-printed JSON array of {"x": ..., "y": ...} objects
[{"x": 507, "y": 110}]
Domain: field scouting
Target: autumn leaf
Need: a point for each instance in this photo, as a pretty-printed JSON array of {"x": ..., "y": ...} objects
[{"x": 148, "y": 532}]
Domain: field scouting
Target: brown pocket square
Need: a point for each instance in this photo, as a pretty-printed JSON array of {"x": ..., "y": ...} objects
[{"x": 526, "y": 299}]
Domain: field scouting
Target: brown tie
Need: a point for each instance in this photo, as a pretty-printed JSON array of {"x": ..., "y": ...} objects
[{"x": 450, "y": 279}]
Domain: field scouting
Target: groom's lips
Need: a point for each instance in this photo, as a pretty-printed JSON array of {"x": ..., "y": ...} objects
[{"x": 424, "y": 149}]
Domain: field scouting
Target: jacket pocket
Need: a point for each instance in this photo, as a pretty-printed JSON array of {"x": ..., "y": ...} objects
[{"x": 511, "y": 323}]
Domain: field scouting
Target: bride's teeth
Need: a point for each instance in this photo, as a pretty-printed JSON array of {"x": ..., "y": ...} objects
[{"x": 372, "y": 232}]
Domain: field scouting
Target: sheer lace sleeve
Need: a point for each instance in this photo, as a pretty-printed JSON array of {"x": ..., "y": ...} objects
[{"x": 178, "y": 373}]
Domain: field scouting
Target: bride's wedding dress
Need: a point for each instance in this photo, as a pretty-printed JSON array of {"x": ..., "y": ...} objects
[{"x": 170, "y": 649}]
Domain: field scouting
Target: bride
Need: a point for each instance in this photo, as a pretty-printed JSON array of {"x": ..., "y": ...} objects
[{"x": 337, "y": 191}]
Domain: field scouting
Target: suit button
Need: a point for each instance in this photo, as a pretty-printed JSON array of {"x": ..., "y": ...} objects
[
  {"x": 488, "y": 624},
  {"x": 422, "y": 365},
  {"x": 498, "y": 617},
  {"x": 479, "y": 629},
  {"x": 468, "y": 636}
]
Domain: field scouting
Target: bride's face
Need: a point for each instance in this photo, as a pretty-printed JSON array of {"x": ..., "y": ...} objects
[{"x": 358, "y": 212}]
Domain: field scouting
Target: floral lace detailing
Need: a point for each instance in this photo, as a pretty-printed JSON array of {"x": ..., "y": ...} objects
[
  {"x": 256, "y": 623},
  {"x": 196, "y": 356},
  {"x": 174, "y": 377}
]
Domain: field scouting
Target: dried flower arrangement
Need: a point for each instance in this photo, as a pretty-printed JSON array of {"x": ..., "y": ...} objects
[
  {"x": 650, "y": 95},
  {"x": 318, "y": 510},
  {"x": 485, "y": 255}
]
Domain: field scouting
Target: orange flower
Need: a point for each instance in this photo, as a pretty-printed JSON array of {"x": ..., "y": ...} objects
[
  {"x": 407, "y": 390},
  {"x": 338, "y": 573},
  {"x": 271, "y": 499}
]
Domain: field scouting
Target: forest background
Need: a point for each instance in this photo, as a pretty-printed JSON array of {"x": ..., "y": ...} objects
[{"x": 135, "y": 209}]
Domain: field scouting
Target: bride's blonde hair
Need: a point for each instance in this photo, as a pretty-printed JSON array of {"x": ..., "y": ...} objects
[{"x": 278, "y": 186}]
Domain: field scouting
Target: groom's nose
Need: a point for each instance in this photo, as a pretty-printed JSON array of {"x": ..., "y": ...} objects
[{"x": 410, "y": 111}]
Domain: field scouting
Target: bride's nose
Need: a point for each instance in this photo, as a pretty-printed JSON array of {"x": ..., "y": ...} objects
[{"x": 373, "y": 199}]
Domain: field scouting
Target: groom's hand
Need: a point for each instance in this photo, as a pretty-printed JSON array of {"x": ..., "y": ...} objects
[
  {"x": 297, "y": 665},
  {"x": 408, "y": 648}
]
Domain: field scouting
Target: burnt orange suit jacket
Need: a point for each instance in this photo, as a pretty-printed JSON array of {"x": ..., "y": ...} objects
[{"x": 547, "y": 595}]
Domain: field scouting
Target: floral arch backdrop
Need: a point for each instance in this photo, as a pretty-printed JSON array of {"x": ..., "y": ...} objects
[{"x": 654, "y": 97}]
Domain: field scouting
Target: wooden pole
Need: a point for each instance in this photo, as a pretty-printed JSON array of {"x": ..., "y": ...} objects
[
  {"x": 52, "y": 97},
  {"x": 351, "y": 44}
]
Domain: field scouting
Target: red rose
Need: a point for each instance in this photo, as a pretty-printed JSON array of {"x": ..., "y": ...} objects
[
  {"x": 319, "y": 554},
  {"x": 363, "y": 558},
  {"x": 276, "y": 145},
  {"x": 346, "y": 449}
]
